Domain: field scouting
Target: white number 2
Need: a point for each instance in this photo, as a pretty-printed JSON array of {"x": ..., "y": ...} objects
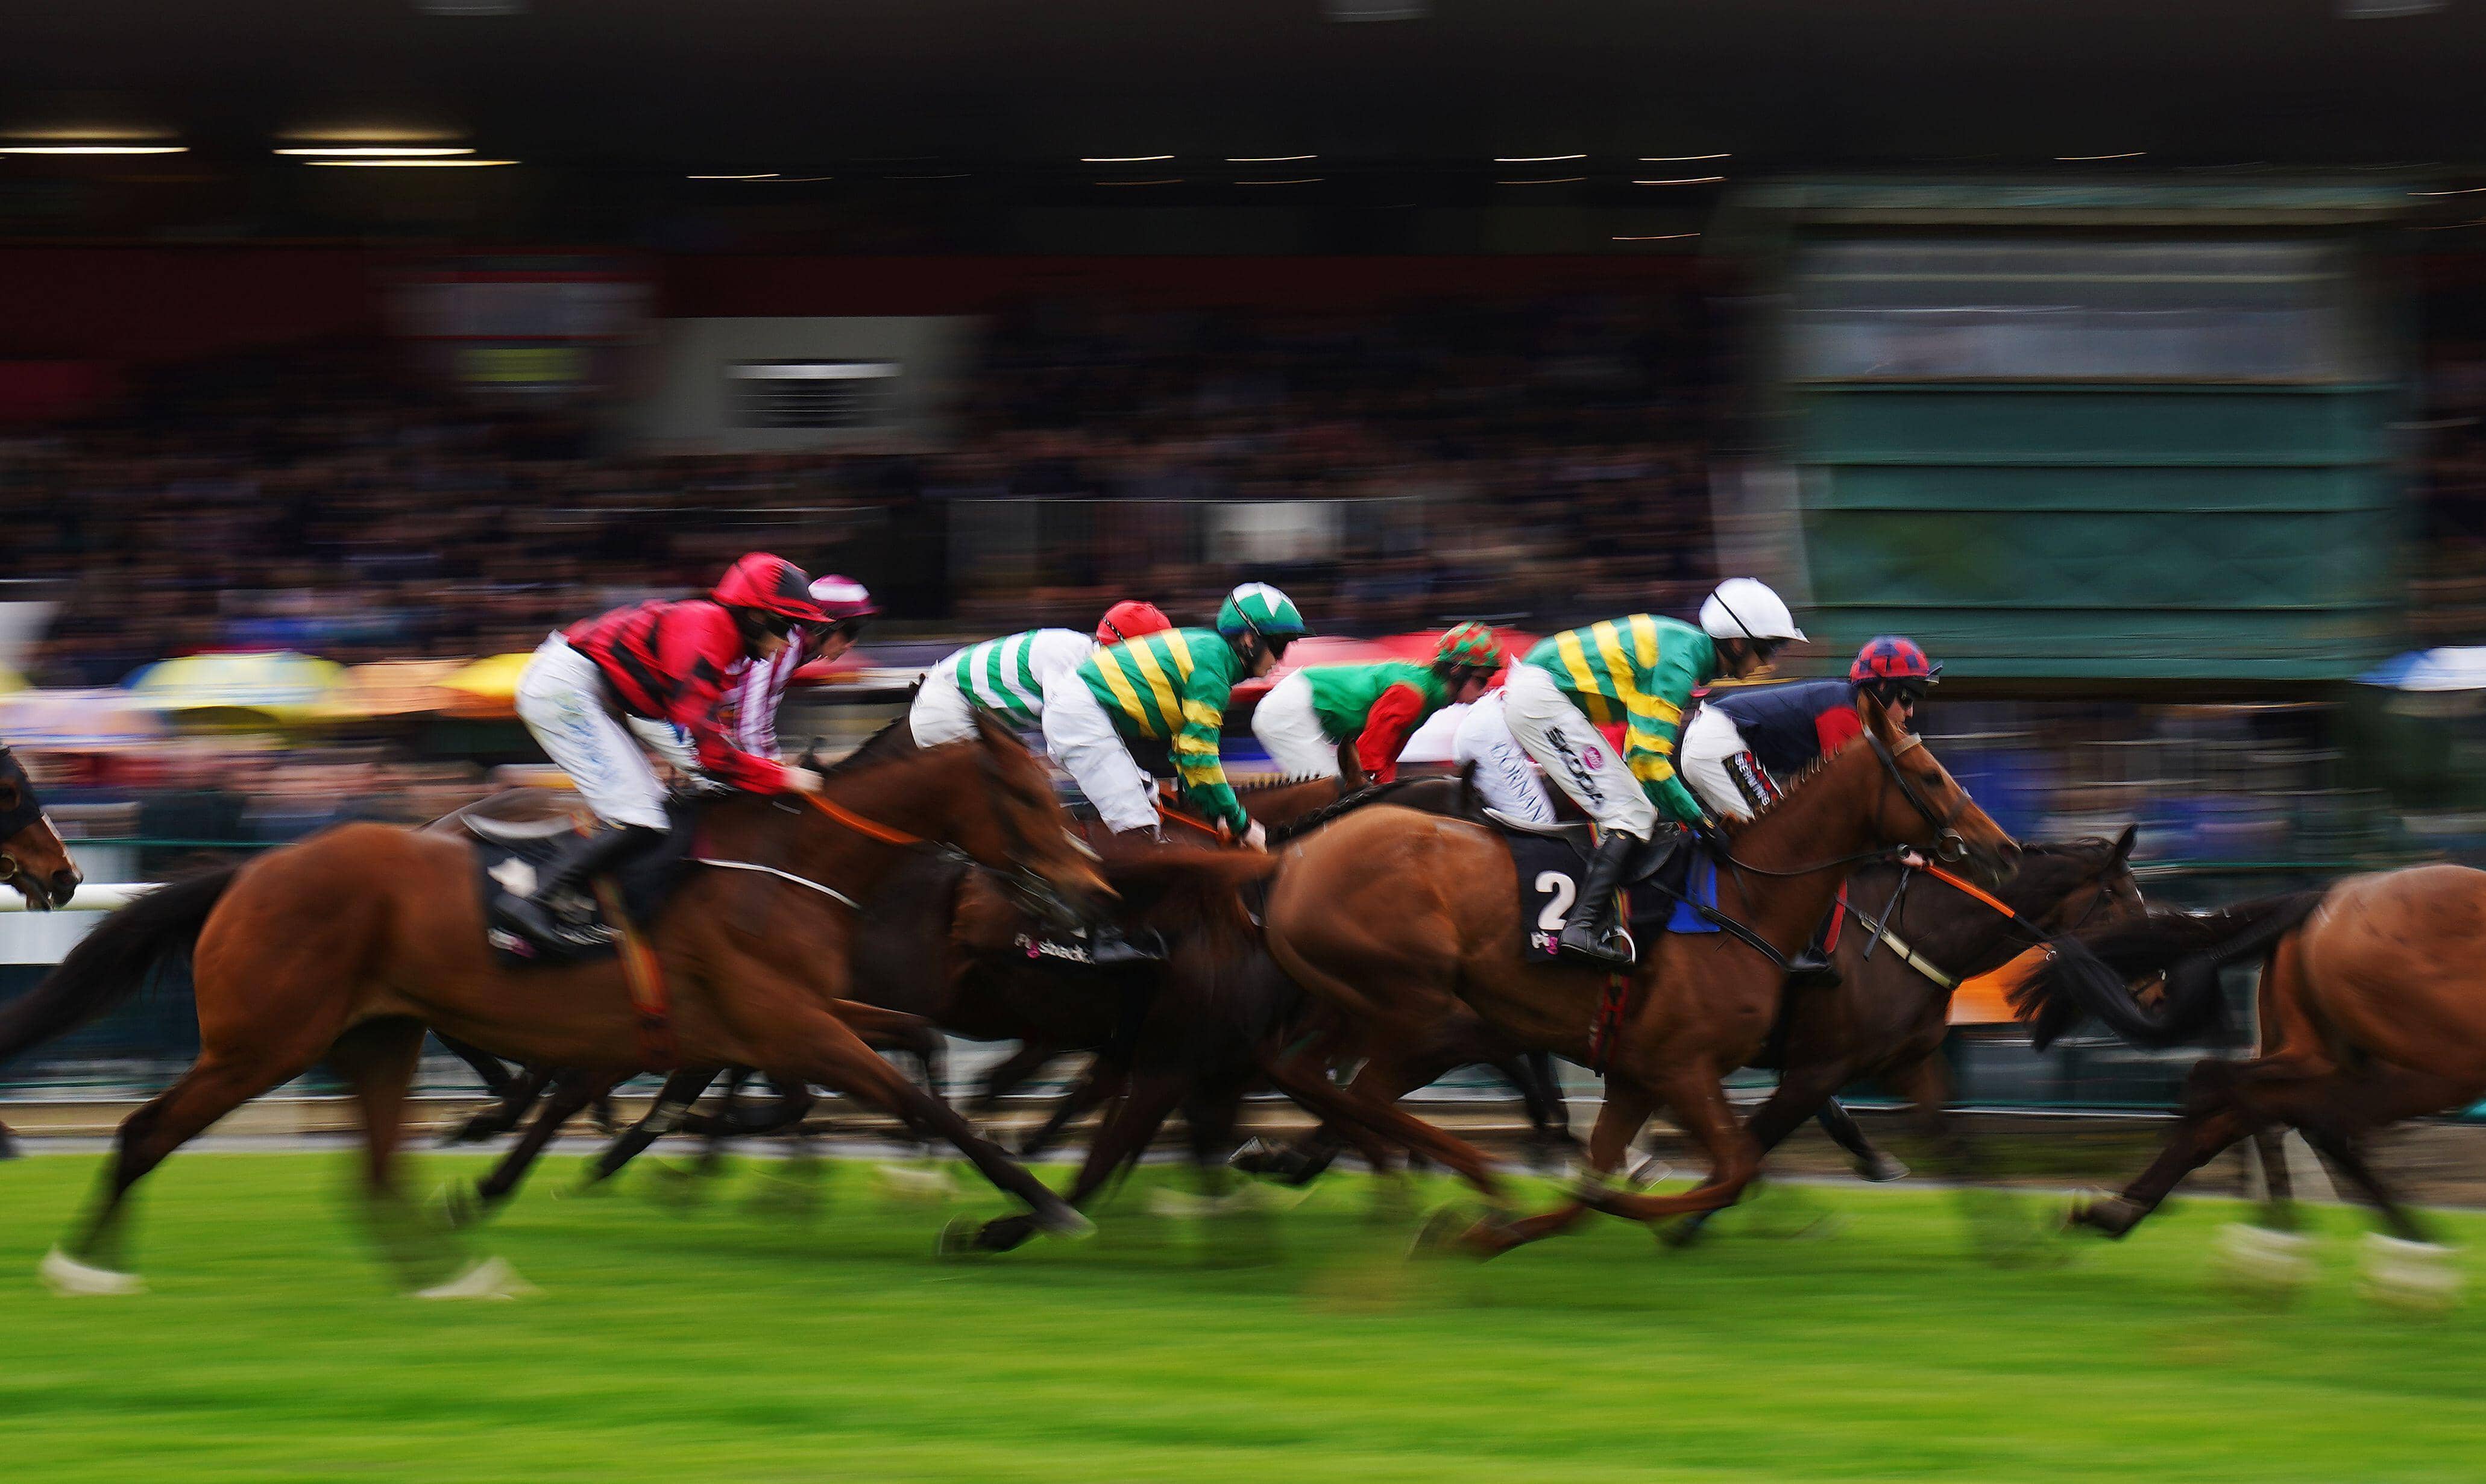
[{"x": 1564, "y": 889}]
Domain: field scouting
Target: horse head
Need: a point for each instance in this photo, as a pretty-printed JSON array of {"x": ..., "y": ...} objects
[
  {"x": 32, "y": 856},
  {"x": 1013, "y": 823},
  {"x": 1920, "y": 803}
]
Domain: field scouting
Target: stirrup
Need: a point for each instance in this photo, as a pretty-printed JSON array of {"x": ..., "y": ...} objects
[{"x": 1615, "y": 947}]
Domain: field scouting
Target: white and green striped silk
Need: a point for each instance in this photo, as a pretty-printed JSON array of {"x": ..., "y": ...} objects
[{"x": 1008, "y": 673}]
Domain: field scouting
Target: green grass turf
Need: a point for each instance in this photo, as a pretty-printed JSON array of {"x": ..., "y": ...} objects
[{"x": 729, "y": 1343}]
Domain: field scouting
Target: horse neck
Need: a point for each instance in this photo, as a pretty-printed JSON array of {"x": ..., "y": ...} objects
[
  {"x": 1828, "y": 818},
  {"x": 1277, "y": 803}
]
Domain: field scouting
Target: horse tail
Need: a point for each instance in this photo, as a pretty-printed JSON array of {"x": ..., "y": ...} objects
[
  {"x": 110, "y": 964},
  {"x": 2091, "y": 975}
]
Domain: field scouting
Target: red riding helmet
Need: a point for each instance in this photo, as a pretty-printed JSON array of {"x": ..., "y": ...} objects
[
  {"x": 1128, "y": 619},
  {"x": 1889, "y": 657},
  {"x": 771, "y": 585}
]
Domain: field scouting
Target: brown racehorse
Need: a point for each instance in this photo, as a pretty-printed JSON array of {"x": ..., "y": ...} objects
[
  {"x": 31, "y": 859},
  {"x": 2370, "y": 1010},
  {"x": 1909, "y": 941},
  {"x": 348, "y": 945},
  {"x": 1394, "y": 919}
]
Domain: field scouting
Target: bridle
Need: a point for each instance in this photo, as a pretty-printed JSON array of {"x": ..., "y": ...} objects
[
  {"x": 1948, "y": 843},
  {"x": 15, "y": 820}
]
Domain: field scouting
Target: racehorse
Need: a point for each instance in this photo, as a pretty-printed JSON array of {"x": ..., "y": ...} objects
[
  {"x": 2369, "y": 1013},
  {"x": 349, "y": 944},
  {"x": 31, "y": 859},
  {"x": 1910, "y": 940},
  {"x": 1394, "y": 919}
]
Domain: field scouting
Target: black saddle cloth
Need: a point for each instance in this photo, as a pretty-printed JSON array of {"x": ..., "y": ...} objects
[
  {"x": 508, "y": 866},
  {"x": 1668, "y": 870}
]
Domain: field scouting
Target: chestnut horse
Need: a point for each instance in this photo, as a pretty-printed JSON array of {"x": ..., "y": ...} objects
[
  {"x": 1397, "y": 921},
  {"x": 2370, "y": 1012},
  {"x": 348, "y": 945}
]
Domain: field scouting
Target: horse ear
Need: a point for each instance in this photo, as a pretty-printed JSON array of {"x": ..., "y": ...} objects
[
  {"x": 812, "y": 754},
  {"x": 2124, "y": 843},
  {"x": 1877, "y": 717}
]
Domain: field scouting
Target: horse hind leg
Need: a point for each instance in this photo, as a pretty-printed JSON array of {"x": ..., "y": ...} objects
[
  {"x": 377, "y": 1059},
  {"x": 94, "y": 1260}
]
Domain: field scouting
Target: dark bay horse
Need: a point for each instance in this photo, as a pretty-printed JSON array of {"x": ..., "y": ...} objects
[
  {"x": 2370, "y": 1012},
  {"x": 1395, "y": 921},
  {"x": 348, "y": 945},
  {"x": 33, "y": 860}
]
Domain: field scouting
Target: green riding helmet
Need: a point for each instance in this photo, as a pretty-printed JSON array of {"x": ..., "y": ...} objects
[
  {"x": 1256, "y": 608},
  {"x": 1468, "y": 646}
]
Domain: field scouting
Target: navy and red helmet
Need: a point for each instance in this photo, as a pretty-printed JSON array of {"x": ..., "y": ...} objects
[{"x": 1892, "y": 657}]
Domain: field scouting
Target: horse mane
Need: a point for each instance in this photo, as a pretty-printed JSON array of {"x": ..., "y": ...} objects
[
  {"x": 1788, "y": 790},
  {"x": 1185, "y": 890},
  {"x": 882, "y": 746},
  {"x": 1369, "y": 794}
]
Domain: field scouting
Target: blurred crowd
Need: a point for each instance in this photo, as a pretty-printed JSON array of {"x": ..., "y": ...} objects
[{"x": 1535, "y": 456}]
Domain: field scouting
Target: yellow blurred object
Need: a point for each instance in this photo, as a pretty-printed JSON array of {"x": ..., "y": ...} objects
[
  {"x": 486, "y": 688},
  {"x": 391, "y": 688},
  {"x": 11, "y": 680},
  {"x": 239, "y": 689}
]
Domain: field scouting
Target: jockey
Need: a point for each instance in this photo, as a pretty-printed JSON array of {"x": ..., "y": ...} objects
[
  {"x": 1641, "y": 671},
  {"x": 1305, "y": 716},
  {"x": 1743, "y": 741},
  {"x": 752, "y": 697},
  {"x": 1011, "y": 676},
  {"x": 662, "y": 661},
  {"x": 1172, "y": 686}
]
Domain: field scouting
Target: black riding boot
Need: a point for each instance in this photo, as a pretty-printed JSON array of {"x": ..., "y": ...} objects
[
  {"x": 582, "y": 861},
  {"x": 1595, "y": 929},
  {"x": 1110, "y": 947},
  {"x": 1812, "y": 967}
]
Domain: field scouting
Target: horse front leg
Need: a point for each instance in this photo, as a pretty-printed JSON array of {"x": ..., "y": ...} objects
[
  {"x": 1626, "y": 1110},
  {"x": 1697, "y": 1096}
]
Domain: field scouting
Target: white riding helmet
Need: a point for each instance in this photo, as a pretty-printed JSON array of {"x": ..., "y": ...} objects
[{"x": 1744, "y": 608}]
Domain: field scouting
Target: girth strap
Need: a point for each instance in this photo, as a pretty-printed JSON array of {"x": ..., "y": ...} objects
[{"x": 645, "y": 974}]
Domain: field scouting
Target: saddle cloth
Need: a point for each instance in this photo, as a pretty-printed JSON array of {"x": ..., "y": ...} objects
[
  {"x": 511, "y": 858},
  {"x": 1551, "y": 867}
]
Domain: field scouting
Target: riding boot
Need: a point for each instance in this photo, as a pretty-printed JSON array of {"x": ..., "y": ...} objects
[
  {"x": 1595, "y": 929},
  {"x": 582, "y": 861},
  {"x": 1810, "y": 967},
  {"x": 1110, "y": 947}
]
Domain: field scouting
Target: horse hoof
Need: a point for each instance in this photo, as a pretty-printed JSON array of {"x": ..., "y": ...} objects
[
  {"x": 2264, "y": 1258},
  {"x": 1441, "y": 1232},
  {"x": 71, "y": 1279},
  {"x": 1682, "y": 1235},
  {"x": 2420, "y": 1277},
  {"x": 1255, "y": 1156},
  {"x": 1064, "y": 1220},
  {"x": 2111, "y": 1216},
  {"x": 958, "y": 1238},
  {"x": 1881, "y": 1169},
  {"x": 457, "y": 1204},
  {"x": 901, "y": 1182},
  {"x": 492, "y": 1278},
  {"x": 1650, "y": 1172}
]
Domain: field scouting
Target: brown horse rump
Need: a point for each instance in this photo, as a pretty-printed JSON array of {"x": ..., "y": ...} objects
[
  {"x": 510, "y": 860},
  {"x": 1665, "y": 896}
]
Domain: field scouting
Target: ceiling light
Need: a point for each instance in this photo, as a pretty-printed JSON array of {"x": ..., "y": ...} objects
[
  {"x": 95, "y": 149},
  {"x": 1122, "y": 160},
  {"x": 1268, "y": 159},
  {"x": 1534, "y": 159},
  {"x": 1684, "y": 180},
  {"x": 1680, "y": 159},
  {"x": 379, "y": 152},
  {"x": 462, "y": 163}
]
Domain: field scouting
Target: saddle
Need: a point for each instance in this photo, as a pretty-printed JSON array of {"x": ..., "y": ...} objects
[
  {"x": 517, "y": 837},
  {"x": 1666, "y": 884}
]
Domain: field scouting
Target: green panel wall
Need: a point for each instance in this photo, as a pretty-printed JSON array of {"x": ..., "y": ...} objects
[{"x": 2106, "y": 530}]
